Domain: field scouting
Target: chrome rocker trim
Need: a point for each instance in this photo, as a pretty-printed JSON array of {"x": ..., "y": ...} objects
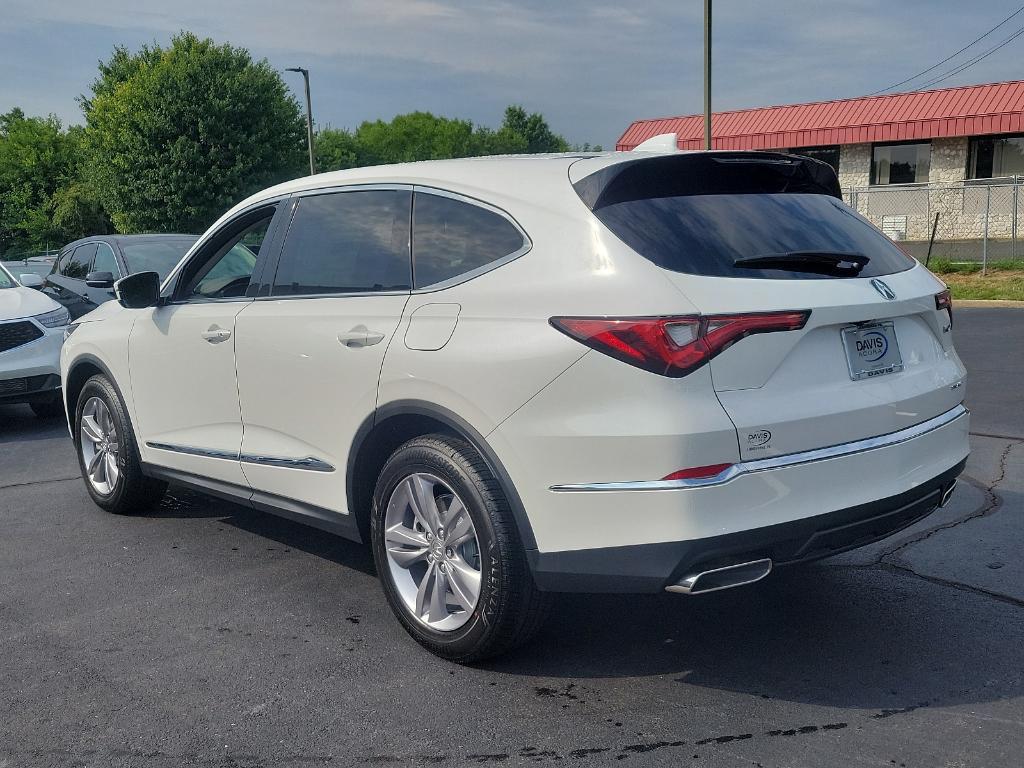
[
  {"x": 777, "y": 462},
  {"x": 310, "y": 463}
]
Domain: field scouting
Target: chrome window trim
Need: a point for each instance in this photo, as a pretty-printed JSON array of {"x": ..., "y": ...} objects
[
  {"x": 349, "y": 295},
  {"x": 777, "y": 462},
  {"x": 310, "y": 463}
]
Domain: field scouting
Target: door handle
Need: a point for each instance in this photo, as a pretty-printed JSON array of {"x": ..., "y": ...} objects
[
  {"x": 360, "y": 336},
  {"x": 216, "y": 335}
]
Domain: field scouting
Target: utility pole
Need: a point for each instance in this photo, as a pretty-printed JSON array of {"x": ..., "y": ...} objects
[
  {"x": 707, "y": 74},
  {"x": 309, "y": 117}
]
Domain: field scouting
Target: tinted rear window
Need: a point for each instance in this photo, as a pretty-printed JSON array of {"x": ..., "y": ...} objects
[
  {"x": 689, "y": 213},
  {"x": 160, "y": 256},
  {"x": 347, "y": 242},
  {"x": 452, "y": 238}
]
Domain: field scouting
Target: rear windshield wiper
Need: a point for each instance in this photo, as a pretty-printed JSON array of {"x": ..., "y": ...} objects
[{"x": 816, "y": 262}]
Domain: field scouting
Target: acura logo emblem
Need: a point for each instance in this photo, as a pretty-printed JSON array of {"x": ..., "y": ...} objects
[{"x": 883, "y": 289}]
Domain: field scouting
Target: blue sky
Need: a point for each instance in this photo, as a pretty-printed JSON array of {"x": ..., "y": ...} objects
[{"x": 589, "y": 66}]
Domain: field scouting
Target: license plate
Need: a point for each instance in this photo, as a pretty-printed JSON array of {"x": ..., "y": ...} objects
[{"x": 872, "y": 350}]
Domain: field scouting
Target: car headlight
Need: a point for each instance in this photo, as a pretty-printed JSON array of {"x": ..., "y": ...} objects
[
  {"x": 70, "y": 329},
  {"x": 54, "y": 319}
]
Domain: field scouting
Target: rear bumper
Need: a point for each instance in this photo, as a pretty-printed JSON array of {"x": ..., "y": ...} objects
[
  {"x": 652, "y": 567},
  {"x": 640, "y": 537}
]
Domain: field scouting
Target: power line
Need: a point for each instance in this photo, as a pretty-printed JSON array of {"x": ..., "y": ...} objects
[
  {"x": 971, "y": 62},
  {"x": 950, "y": 57}
]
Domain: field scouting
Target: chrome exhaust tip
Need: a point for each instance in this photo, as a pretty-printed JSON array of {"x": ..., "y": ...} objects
[
  {"x": 947, "y": 494},
  {"x": 722, "y": 578}
]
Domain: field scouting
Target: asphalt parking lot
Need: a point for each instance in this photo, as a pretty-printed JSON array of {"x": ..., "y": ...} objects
[{"x": 205, "y": 634}]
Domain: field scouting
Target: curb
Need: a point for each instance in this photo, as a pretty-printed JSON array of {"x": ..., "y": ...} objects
[{"x": 988, "y": 303}]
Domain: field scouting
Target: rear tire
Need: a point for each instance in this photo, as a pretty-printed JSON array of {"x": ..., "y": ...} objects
[
  {"x": 508, "y": 609},
  {"x": 108, "y": 454}
]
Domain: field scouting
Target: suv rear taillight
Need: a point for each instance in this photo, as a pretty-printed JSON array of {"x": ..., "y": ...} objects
[
  {"x": 944, "y": 300},
  {"x": 673, "y": 346}
]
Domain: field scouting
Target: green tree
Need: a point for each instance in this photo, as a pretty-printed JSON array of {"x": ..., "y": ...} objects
[
  {"x": 336, "y": 149},
  {"x": 415, "y": 136},
  {"x": 38, "y": 159},
  {"x": 525, "y": 133},
  {"x": 179, "y": 134},
  {"x": 424, "y": 136}
]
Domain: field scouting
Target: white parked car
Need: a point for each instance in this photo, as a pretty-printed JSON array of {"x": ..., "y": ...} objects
[
  {"x": 31, "y": 333},
  {"x": 625, "y": 372}
]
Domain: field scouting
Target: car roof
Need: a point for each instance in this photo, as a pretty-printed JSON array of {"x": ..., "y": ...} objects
[
  {"x": 129, "y": 239},
  {"x": 487, "y": 177}
]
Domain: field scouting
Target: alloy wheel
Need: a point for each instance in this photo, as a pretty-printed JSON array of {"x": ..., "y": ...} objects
[
  {"x": 433, "y": 552},
  {"x": 100, "y": 446}
]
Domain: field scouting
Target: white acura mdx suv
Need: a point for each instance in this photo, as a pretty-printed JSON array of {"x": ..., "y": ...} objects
[{"x": 624, "y": 372}]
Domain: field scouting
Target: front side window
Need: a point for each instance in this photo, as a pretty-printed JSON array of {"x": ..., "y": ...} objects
[
  {"x": 900, "y": 163},
  {"x": 347, "y": 242},
  {"x": 228, "y": 272},
  {"x": 994, "y": 157},
  {"x": 81, "y": 262},
  {"x": 452, "y": 238},
  {"x": 105, "y": 260}
]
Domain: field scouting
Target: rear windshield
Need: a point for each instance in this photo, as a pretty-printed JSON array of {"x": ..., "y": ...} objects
[
  {"x": 712, "y": 217},
  {"x": 160, "y": 256}
]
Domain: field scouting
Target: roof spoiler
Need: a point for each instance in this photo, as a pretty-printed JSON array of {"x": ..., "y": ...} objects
[
  {"x": 663, "y": 142},
  {"x": 706, "y": 173}
]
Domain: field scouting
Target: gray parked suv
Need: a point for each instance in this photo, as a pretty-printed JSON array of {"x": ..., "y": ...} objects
[{"x": 84, "y": 274}]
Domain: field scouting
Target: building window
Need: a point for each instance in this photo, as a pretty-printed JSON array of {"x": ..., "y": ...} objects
[
  {"x": 828, "y": 155},
  {"x": 900, "y": 163},
  {"x": 993, "y": 157}
]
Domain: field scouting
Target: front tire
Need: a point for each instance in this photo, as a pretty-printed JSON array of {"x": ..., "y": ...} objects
[
  {"x": 448, "y": 552},
  {"x": 107, "y": 453}
]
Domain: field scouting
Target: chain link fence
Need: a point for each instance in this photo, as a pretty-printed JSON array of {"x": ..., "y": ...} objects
[{"x": 961, "y": 221}]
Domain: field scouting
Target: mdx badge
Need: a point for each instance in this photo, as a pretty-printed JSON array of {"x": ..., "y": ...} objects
[{"x": 886, "y": 292}]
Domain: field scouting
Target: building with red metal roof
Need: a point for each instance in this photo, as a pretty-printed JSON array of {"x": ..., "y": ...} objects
[{"x": 945, "y": 135}]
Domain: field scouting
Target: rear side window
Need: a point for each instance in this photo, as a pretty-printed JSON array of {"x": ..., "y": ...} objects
[
  {"x": 81, "y": 260},
  {"x": 703, "y": 215},
  {"x": 347, "y": 242},
  {"x": 452, "y": 238}
]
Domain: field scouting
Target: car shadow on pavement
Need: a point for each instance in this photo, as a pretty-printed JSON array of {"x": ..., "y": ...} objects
[
  {"x": 818, "y": 634},
  {"x": 184, "y": 503},
  {"x": 18, "y": 424}
]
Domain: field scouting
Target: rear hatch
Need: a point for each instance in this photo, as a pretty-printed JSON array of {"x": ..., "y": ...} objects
[{"x": 741, "y": 233}]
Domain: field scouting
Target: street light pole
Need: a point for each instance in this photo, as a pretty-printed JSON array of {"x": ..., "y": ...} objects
[
  {"x": 309, "y": 117},
  {"x": 707, "y": 74}
]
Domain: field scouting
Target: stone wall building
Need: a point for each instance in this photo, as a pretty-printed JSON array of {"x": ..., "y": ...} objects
[{"x": 900, "y": 158}]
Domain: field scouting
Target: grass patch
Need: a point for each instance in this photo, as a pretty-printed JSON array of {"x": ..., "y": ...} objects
[
  {"x": 947, "y": 267},
  {"x": 1003, "y": 284}
]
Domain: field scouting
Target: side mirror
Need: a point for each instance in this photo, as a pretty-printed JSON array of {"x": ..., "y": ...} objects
[
  {"x": 138, "y": 291},
  {"x": 31, "y": 281},
  {"x": 99, "y": 279}
]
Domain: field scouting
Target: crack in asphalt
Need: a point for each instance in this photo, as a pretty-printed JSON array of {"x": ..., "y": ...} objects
[
  {"x": 40, "y": 482},
  {"x": 993, "y": 501},
  {"x": 622, "y": 752},
  {"x": 889, "y": 558}
]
